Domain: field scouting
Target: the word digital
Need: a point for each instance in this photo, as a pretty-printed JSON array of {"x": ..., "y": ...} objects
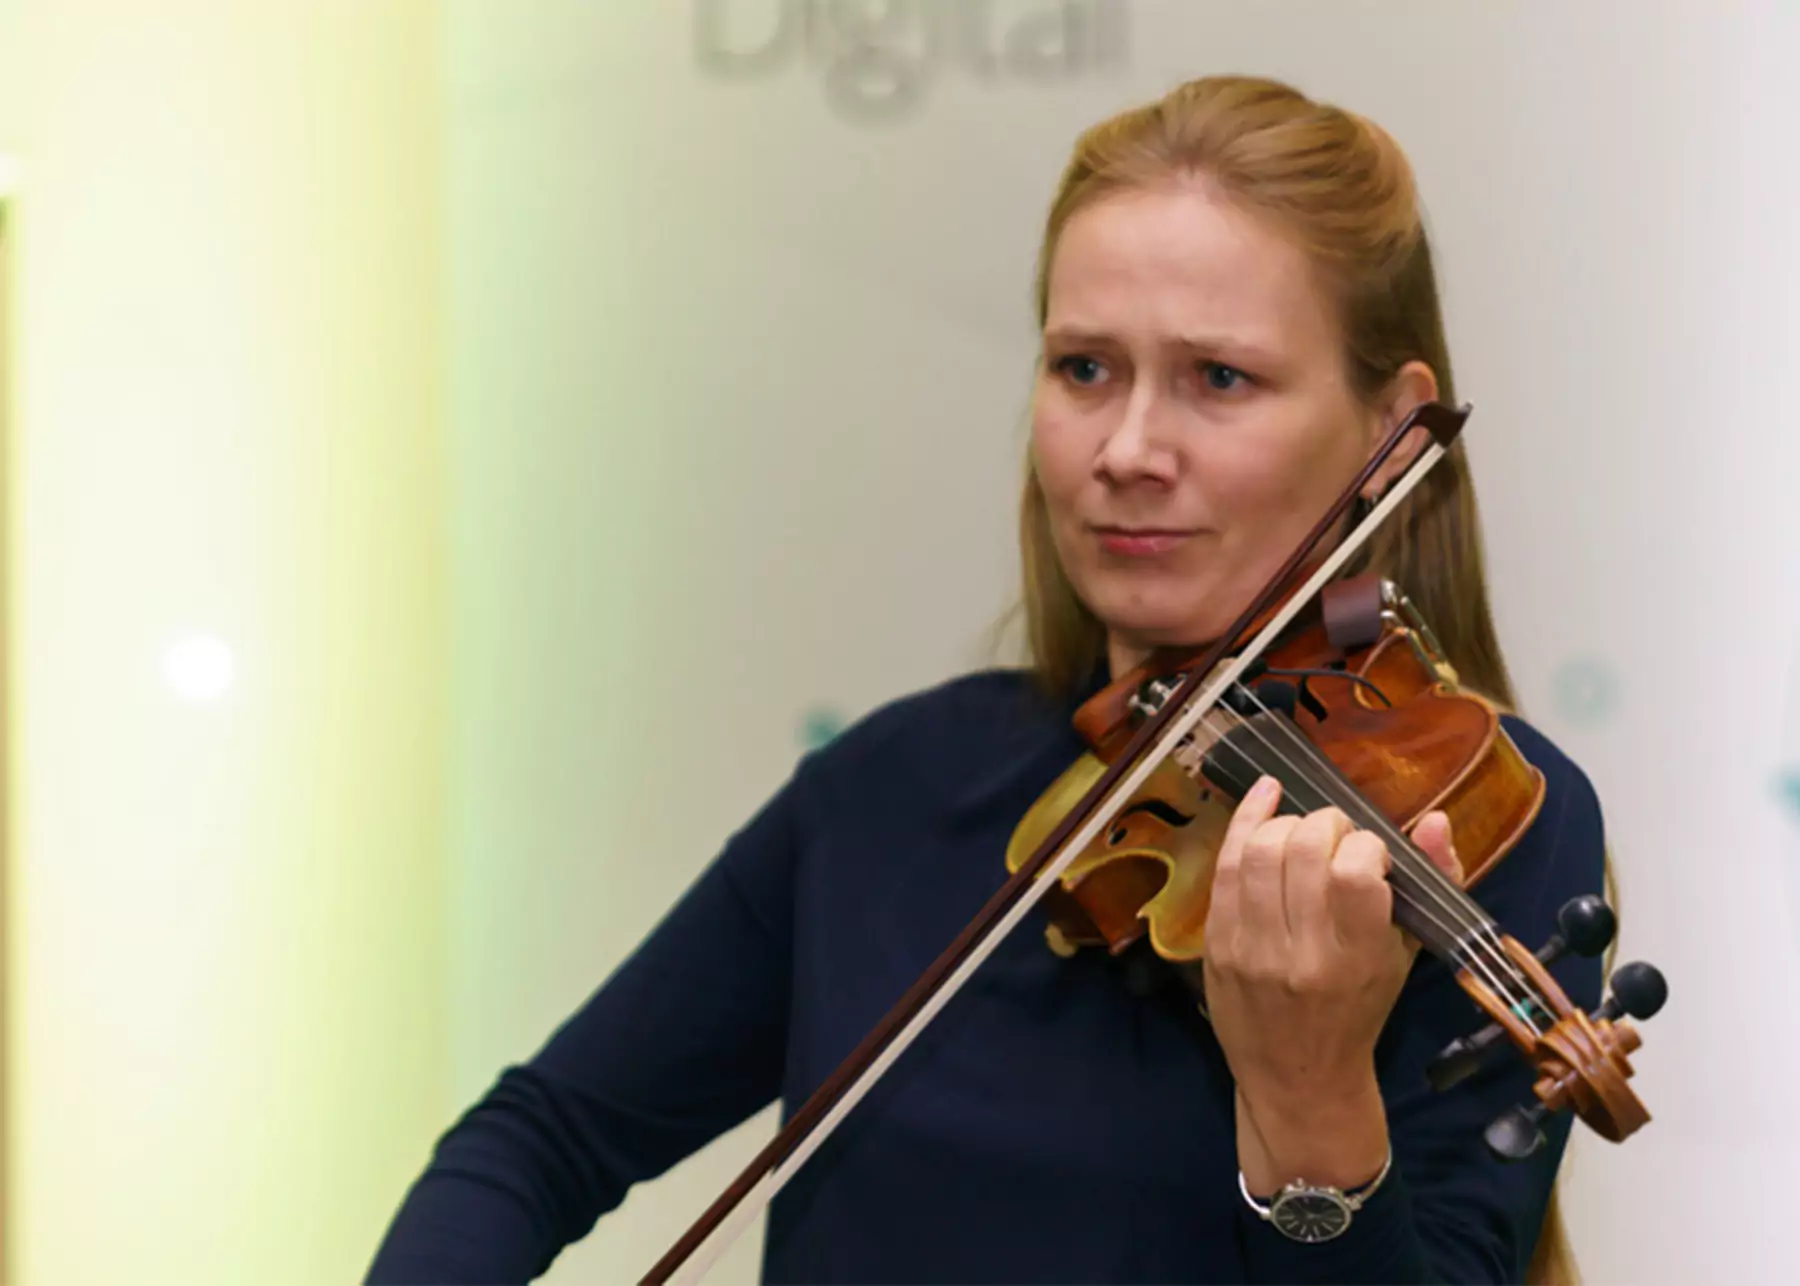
[{"x": 876, "y": 58}]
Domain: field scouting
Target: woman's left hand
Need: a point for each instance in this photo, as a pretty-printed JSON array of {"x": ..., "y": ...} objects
[{"x": 1303, "y": 965}]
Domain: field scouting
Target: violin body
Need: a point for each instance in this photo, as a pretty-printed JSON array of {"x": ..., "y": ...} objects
[{"x": 1407, "y": 737}]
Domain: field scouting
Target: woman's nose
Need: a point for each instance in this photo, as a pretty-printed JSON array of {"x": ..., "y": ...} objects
[{"x": 1135, "y": 449}]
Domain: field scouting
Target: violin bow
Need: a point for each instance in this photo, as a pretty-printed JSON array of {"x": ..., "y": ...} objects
[{"x": 724, "y": 1221}]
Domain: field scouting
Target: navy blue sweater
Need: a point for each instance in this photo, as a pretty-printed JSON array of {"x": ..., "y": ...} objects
[{"x": 1058, "y": 1122}]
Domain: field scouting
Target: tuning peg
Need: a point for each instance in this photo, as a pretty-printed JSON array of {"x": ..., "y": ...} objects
[
  {"x": 1638, "y": 990},
  {"x": 1515, "y": 1135},
  {"x": 1462, "y": 1057},
  {"x": 1585, "y": 925}
]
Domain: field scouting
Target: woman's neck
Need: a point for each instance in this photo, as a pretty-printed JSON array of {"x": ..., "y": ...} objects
[{"x": 1123, "y": 657}]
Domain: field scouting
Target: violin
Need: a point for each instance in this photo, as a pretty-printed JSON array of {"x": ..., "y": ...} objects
[
  {"x": 1339, "y": 690},
  {"x": 1378, "y": 727},
  {"x": 1377, "y": 707}
]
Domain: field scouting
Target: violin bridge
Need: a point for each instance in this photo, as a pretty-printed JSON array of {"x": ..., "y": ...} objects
[{"x": 1190, "y": 756}]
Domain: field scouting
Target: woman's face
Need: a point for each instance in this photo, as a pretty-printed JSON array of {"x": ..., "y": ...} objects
[{"x": 1193, "y": 418}]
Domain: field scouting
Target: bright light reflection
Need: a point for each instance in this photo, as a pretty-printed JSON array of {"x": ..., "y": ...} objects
[{"x": 200, "y": 667}]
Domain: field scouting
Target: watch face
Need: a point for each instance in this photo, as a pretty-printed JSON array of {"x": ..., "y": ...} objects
[{"x": 1311, "y": 1215}]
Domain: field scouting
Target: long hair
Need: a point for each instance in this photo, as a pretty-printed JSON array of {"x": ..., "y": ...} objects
[{"x": 1341, "y": 188}]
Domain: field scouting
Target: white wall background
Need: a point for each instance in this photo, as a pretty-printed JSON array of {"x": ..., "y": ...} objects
[
  {"x": 224, "y": 914},
  {"x": 12, "y": 71},
  {"x": 737, "y": 386}
]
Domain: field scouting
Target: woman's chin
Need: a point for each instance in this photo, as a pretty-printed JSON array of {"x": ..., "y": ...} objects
[
  {"x": 1148, "y": 621},
  {"x": 1158, "y": 618}
]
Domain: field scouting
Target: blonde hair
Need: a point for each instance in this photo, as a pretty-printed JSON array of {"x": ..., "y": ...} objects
[{"x": 1343, "y": 190}]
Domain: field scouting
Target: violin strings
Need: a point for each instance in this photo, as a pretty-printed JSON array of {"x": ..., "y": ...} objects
[
  {"x": 1408, "y": 858},
  {"x": 1471, "y": 944},
  {"x": 1489, "y": 962},
  {"x": 1479, "y": 939},
  {"x": 1478, "y": 929},
  {"x": 1405, "y": 852}
]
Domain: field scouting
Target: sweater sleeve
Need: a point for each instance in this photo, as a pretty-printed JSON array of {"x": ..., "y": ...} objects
[
  {"x": 684, "y": 1041},
  {"x": 1449, "y": 1211}
]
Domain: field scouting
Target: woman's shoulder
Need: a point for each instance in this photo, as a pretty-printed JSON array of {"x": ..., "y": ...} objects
[
  {"x": 1562, "y": 855},
  {"x": 1571, "y": 803},
  {"x": 979, "y": 700},
  {"x": 943, "y": 737},
  {"x": 1545, "y": 754},
  {"x": 957, "y": 713}
]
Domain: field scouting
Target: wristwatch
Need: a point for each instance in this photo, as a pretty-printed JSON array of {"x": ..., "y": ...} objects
[{"x": 1308, "y": 1212}]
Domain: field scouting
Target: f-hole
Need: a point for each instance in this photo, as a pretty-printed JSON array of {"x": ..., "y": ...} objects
[{"x": 1163, "y": 812}]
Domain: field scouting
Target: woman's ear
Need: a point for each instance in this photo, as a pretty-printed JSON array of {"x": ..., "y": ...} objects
[{"x": 1414, "y": 384}]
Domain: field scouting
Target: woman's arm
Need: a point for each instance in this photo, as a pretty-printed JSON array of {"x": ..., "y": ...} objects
[{"x": 683, "y": 1042}]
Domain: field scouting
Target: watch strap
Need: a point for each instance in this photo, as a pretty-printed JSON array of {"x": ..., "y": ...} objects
[{"x": 1354, "y": 1198}]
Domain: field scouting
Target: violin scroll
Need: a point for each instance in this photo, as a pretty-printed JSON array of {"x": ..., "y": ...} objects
[{"x": 1581, "y": 1059}]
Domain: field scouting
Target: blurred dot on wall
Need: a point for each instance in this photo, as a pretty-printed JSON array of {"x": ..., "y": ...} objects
[
  {"x": 1787, "y": 784},
  {"x": 1585, "y": 690},
  {"x": 818, "y": 726},
  {"x": 199, "y": 667}
]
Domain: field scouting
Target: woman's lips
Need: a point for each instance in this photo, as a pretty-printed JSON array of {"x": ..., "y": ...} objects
[{"x": 1140, "y": 542}]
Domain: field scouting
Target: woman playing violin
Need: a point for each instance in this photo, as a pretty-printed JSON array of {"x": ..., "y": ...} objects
[{"x": 1237, "y": 304}]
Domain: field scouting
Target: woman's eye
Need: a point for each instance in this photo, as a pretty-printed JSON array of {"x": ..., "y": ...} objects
[
  {"x": 1082, "y": 370},
  {"x": 1221, "y": 377}
]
